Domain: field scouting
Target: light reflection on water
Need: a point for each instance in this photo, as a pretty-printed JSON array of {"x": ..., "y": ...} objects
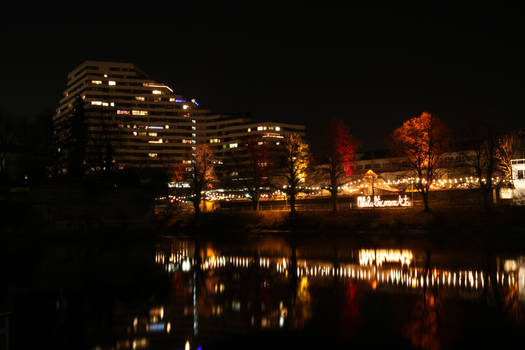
[{"x": 219, "y": 291}]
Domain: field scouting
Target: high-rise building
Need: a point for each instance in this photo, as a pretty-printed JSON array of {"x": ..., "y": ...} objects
[{"x": 112, "y": 114}]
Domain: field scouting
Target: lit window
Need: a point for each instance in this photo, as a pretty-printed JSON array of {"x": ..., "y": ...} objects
[
  {"x": 260, "y": 143},
  {"x": 249, "y": 129},
  {"x": 152, "y": 134},
  {"x": 139, "y": 98},
  {"x": 193, "y": 121},
  {"x": 135, "y": 133},
  {"x": 111, "y": 82},
  {"x": 259, "y": 128},
  {"x": 185, "y": 106},
  {"x": 186, "y": 162},
  {"x": 277, "y": 128},
  {"x": 155, "y": 127},
  {"x": 166, "y": 126},
  {"x": 172, "y": 99},
  {"x": 215, "y": 140},
  {"x": 233, "y": 145},
  {"x": 193, "y": 128},
  {"x": 134, "y": 112},
  {"x": 186, "y": 141},
  {"x": 153, "y": 155},
  {"x": 105, "y": 75},
  {"x": 156, "y": 92},
  {"x": 105, "y": 104},
  {"x": 156, "y": 141},
  {"x": 277, "y": 143},
  {"x": 112, "y": 104},
  {"x": 98, "y": 82},
  {"x": 96, "y": 103}
]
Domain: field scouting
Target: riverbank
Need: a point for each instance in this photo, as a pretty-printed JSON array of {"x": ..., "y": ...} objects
[{"x": 441, "y": 223}]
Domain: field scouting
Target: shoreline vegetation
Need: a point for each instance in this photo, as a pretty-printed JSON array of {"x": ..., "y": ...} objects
[{"x": 440, "y": 223}]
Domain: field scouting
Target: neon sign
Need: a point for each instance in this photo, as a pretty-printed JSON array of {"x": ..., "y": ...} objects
[{"x": 377, "y": 202}]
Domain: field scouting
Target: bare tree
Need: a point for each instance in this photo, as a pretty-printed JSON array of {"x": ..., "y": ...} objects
[
  {"x": 248, "y": 168},
  {"x": 490, "y": 159},
  {"x": 295, "y": 160},
  {"x": 8, "y": 136},
  {"x": 200, "y": 176},
  {"x": 77, "y": 142}
]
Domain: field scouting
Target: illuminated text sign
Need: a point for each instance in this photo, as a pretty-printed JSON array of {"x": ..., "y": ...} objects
[{"x": 378, "y": 202}]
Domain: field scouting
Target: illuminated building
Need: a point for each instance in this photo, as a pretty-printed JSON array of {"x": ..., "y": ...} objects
[
  {"x": 518, "y": 169},
  {"x": 112, "y": 114},
  {"x": 227, "y": 136}
]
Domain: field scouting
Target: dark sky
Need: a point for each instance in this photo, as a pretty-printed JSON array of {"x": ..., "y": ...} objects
[{"x": 374, "y": 67}]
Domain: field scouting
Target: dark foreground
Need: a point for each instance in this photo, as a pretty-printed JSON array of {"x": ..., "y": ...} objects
[{"x": 125, "y": 290}]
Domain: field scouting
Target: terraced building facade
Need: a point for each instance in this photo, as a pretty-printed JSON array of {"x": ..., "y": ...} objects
[{"x": 112, "y": 114}]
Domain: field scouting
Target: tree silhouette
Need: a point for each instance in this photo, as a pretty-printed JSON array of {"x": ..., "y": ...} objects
[
  {"x": 200, "y": 174},
  {"x": 251, "y": 169},
  {"x": 489, "y": 157},
  {"x": 8, "y": 136},
  {"x": 76, "y": 156}
]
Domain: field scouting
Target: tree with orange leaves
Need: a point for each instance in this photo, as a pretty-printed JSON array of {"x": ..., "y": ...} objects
[{"x": 422, "y": 140}]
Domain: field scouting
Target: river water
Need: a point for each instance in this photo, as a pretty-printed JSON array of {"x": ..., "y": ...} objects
[
  {"x": 318, "y": 293},
  {"x": 274, "y": 292}
]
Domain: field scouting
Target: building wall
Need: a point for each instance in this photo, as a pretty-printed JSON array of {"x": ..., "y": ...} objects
[
  {"x": 230, "y": 144},
  {"x": 518, "y": 178},
  {"x": 453, "y": 164}
]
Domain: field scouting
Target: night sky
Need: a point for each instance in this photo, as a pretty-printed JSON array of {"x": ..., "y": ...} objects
[{"x": 374, "y": 67}]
